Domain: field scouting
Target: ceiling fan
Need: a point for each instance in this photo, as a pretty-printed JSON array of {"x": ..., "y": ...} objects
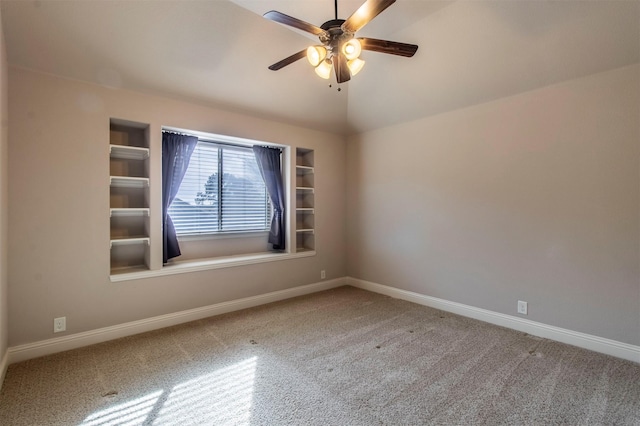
[{"x": 340, "y": 50}]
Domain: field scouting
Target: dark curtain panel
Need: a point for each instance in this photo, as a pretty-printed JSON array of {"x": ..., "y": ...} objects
[
  {"x": 268, "y": 160},
  {"x": 176, "y": 152}
]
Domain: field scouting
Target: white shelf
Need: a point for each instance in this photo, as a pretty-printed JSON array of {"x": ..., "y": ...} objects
[
  {"x": 309, "y": 210},
  {"x": 305, "y": 230},
  {"x": 128, "y": 152},
  {"x": 129, "y": 182},
  {"x": 138, "y": 269},
  {"x": 305, "y": 250},
  {"x": 129, "y": 241},
  {"x": 305, "y": 189},
  {"x": 304, "y": 169},
  {"x": 129, "y": 212}
]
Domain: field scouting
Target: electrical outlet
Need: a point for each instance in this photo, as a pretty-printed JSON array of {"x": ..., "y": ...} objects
[
  {"x": 59, "y": 324},
  {"x": 323, "y": 275},
  {"x": 522, "y": 307}
]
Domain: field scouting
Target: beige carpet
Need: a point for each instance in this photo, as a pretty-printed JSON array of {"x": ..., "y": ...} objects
[{"x": 340, "y": 357}]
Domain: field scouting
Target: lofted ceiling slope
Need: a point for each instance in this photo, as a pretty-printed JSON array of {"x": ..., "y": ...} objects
[{"x": 217, "y": 52}]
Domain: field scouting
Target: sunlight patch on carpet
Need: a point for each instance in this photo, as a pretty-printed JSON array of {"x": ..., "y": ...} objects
[
  {"x": 221, "y": 397},
  {"x": 224, "y": 396},
  {"x": 132, "y": 412}
]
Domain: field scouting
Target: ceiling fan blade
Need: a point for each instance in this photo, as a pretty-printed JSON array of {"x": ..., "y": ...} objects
[
  {"x": 365, "y": 13},
  {"x": 281, "y": 18},
  {"x": 342, "y": 70},
  {"x": 390, "y": 47},
  {"x": 286, "y": 61}
]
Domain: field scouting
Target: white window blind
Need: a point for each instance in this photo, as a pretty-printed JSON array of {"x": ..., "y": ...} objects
[{"x": 222, "y": 191}]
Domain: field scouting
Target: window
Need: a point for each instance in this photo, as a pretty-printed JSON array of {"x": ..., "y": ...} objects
[{"x": 222, "y": 191}]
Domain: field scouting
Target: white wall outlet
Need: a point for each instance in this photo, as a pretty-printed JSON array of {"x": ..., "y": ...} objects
[
  {"x": 522, "y": 307},
  {"x": 323, "y": 275},
  {"x": 59, "y": 324}
]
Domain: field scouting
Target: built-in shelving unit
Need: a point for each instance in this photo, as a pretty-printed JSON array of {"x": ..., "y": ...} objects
[
  {"x": 305, "y": 200},
  {"x": 129, "y": 196}
]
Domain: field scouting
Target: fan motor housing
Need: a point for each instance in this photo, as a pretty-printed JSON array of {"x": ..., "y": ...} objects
[
  {"x": 335, "y": 36},
  {"x": 332, "y": 24}
]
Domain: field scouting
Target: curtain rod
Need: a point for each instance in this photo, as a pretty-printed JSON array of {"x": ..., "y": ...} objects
[{"x": 229, "y": 140}]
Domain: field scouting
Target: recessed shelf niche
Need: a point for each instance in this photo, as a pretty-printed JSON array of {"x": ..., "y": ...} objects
[
  {"x": 305, "y": 200},
  {"x": 129, "y": 196}
]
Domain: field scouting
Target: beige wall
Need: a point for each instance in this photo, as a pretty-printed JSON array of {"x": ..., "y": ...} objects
[
  {"x": 59, "y": 201},
  {"x": 4, "y": 307},
  {"x": 533, "y": 197}
]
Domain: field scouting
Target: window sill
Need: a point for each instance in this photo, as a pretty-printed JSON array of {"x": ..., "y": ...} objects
[{"x": 208, "y": 264}]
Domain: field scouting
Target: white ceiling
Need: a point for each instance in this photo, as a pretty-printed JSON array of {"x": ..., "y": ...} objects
[{"x": 217, "y": 52}]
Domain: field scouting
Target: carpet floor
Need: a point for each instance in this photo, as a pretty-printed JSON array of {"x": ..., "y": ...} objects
[{"x": 338, "y": 357}]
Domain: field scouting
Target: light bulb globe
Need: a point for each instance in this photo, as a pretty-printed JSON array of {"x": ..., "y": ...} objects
[
  {"x": 355, "y": 66},
  {"x": 316, "y": 54},
  {"x": 352, "y": 49},
  {"x": 324, "y": 69}
]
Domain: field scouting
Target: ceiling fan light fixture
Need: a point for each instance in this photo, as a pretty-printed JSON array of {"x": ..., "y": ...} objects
[
  {"x": 316, "y": 54},
  {"x": 339, "y": 51},
  {"x": 352, "y": 49},
  {"x": 324, "y": 69},
  {"x": 355, "y": 66}
]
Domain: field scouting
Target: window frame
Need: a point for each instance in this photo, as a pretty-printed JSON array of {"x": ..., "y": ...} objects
[{"x": 238, "y": 142}]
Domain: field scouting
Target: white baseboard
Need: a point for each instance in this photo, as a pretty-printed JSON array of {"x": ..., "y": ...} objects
[
  {"x": 73, "y": 341},
  {"x": 59, "y": 344},
  {"x": 4, "y": 364},
  {"x": 582, "y": 340}
]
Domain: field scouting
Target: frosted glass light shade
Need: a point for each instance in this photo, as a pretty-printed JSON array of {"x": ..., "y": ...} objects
[
  {"x": 355, "y": 65},
  {"x": 352, "y": 49},
  {"x": 316, "y": 54},
  {"x": 324, "y": 69}
]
